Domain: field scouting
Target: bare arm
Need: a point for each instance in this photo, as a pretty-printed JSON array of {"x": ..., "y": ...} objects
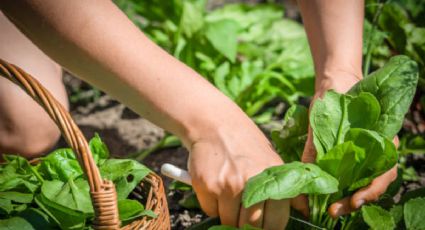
[
  {"x": 96, "y": 41},
  {"x": 335, "y": 32}
]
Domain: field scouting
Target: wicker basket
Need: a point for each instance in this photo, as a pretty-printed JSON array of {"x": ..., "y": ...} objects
[{"x": 102, "y": 192}]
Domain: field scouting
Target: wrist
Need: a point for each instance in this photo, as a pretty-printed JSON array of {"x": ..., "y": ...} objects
[
  {"x": 339, "y": 80},
  {"x": 214, "y": 123}
]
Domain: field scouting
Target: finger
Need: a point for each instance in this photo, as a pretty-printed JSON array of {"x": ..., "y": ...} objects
[
  {"x": 207, "y": 201},
  {"x": 300, "y": 203},
  {"x": 309, "y": 153},
  {"x": 372, "y": 192},
  {"x": 276, "y": 214},
  {"x": 341, "y": 207},
  {"x": 396, "y": 141},
  {"x": 228, "y": 208},
  {"x": 252, "y": 215}
]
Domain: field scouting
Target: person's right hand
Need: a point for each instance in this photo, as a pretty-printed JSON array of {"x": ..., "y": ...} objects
[
  {"x": 365, "y": 195},
  {"x": 221, "y": 162}
]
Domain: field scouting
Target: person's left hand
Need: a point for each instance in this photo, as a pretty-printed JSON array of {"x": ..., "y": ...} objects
[{"x": 370, "y": 193}]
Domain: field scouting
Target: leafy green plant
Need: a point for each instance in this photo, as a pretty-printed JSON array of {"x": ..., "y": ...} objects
[
  {"x": 352, "y": 135},
  {"x": 55, "y": 193},
  {"x": 251, "y": 53}
]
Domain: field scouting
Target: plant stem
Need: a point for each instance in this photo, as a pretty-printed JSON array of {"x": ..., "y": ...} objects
[
  {"x": 306, "y": 222},
  {"x": 371, "y": 35},
  {"x": 36, "y": 174}
]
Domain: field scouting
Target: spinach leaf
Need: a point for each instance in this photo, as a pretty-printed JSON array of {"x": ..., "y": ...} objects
[
  {"x": 332, "y": 117},
  {"x": 38, "y": 219},
  {"x": 380, "y": 156},
  {"x": 363, "y": 111},
  {"x": 126, "y": 174},
  {"x": 60, "y": 165},
  {"x": 328, "y": 119},
  {"x": 288, "y": 181},
  {"x": 290, "y": 140},
  {"x": 18, "y": 175},
  {"x": 15, "y": 223},
  {"x": 223, "y": 36},
  {"x": 65, "y": 219},
  {"x": 397, "y": 214},
  {"x": 98, "y": 149},
  {"x": 17, "y": 196},
  {"x": 6, "y": 206},
  {"x": 414, "y": 215},
  {"x": 129, "y": 208},
  {"x": 70, "y": 196},
  {"x": 377, "y": 218},
  {"x": 394, "y": 86},
  {"x": 342, "y": 161}
]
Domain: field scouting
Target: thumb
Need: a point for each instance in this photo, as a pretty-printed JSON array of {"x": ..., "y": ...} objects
[
  {"x": 373, "y": 191},
  {"x": 309, "y": 153}
]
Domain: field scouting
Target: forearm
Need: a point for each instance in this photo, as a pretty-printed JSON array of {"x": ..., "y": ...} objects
[
  {"x": 334, "y": 29},
  {"x": 96, "y": 41}
]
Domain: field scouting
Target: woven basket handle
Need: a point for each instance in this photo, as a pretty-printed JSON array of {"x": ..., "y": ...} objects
[{"x": 102, "y": 192}]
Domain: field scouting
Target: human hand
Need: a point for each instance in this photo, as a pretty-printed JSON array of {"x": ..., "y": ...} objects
[
  {"x": 370, "y": 193},
  {"x": 222, "y": 161}
]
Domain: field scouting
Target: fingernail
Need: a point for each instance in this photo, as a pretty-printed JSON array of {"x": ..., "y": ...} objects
[{"x": 359, "y": 203}]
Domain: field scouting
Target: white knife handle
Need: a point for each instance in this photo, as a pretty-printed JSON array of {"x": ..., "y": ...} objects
[{"x": 176, "y": 173}]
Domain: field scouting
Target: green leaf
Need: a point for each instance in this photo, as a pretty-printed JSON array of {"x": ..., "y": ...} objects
[
  {"x": 66, "y": 219},
  {"x": 6, "y": 206},
  {"x": 381, "y": 155},
  {"x": 128, "y": 209},
  {"x": 420, "y": 192},
  {"x": 18, "y": 175},
  {"x": 17, "y": 196},
  {"x": 15, "y": 223},
  {"x": 190, "y": 201},
  {"x": 38, "y": 219},
  {"x": 290, "y": 140},
  {"x": 394, "y": 86},
  {"x": 177, "y": 185},
  {"x": 377, "y": 218},
  {"x": 392, "y": 20},
  {"x": 342, "y": 161},
  {"x": 60, "y": 165},
  {"x": 191, "y": 20},
  {"x": 70, "y": 196},
  {"x": 328, "y": 119},
  {"x": 414, "y": 215},
  {"x": 98, "y": 148},
  {"x": 126, "y": 174},
  {"x": 363, "y": 111},
  {"x": 288, "y": 181},
  {"x": 223, "y": 36},
  {"x": 397, "y": 213}
]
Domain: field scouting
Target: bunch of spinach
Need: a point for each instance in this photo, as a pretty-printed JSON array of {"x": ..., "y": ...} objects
[
  {"x": 55, "y": 193},
  {"x": 352, "y": 135}
]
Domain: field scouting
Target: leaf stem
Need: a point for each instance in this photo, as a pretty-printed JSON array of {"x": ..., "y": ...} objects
[
  {"x": 368, "y": 58},
  {"x": 306, "y": 223}
]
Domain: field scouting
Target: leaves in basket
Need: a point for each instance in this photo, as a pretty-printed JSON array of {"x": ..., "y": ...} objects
[
  {"x": 60, "y": 165},
  {"x": 18, "y": 175},
  {"x": 55, "y": 193},
  {"x": 126, "y": 174}
]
